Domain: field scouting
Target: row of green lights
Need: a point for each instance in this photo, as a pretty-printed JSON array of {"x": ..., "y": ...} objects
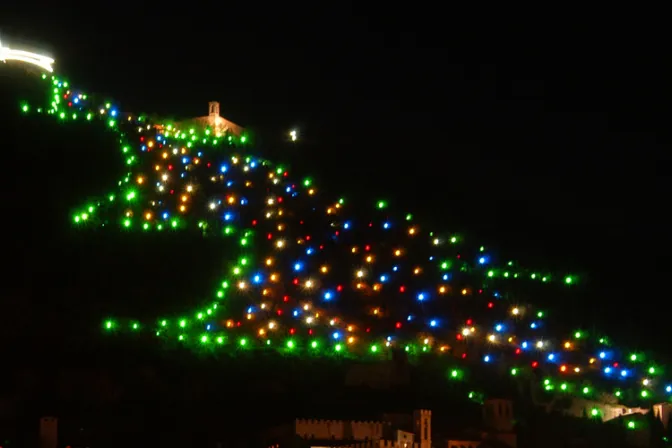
[
  {"x": 192, "y": 136},
  {"x": 586, "y": 390},
  {"x": 174, "y": 223},
  {"x": 205, "y": 339},
  {"x": 128, "y": 222},
  {"x": 568, "y": 280},
  {"x": 25, "y": 107},
  {"x": 292, "y": 344}
]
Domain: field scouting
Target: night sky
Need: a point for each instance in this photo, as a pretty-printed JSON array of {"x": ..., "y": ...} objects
[{"x": 540, "y": 141}]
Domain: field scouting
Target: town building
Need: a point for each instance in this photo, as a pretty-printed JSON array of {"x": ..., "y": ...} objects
[
  {"x": 215, "y": 122},
  {"x": 395, "y": 431},
  {"x": 218, "y": 125}
]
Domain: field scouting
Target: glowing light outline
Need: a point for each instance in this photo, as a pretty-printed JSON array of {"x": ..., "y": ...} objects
[{"x": 40, "y": 60}]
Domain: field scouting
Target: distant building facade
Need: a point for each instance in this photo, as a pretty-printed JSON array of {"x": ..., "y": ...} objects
[{"x": 498, "y": 426}]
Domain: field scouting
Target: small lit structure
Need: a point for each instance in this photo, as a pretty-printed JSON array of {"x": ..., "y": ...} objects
[{"x": 218, "y": 123}]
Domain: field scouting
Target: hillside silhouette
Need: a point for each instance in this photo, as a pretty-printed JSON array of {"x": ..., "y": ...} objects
[{"x": 63, "y": 282}]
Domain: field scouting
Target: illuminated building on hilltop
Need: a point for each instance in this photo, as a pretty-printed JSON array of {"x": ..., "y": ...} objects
[{"x": 214, "y": 121}]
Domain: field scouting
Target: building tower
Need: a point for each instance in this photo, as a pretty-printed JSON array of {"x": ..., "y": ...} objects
[
  {"x": 48, "y": 432},
  {"x": 498, "y": 415},
  {"x": 214, "y": 119},
  {"x": 213, "y": 106},
  {"x": 663, "y": 411},
  {"x": 422, "y": 426}
]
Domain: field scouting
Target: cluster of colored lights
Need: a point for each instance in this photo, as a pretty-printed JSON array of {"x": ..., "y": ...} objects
[{"x": 303, "y": 259}]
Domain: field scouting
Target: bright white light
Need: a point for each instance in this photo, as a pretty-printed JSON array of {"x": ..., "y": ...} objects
[
  {"x": 294, "y": 135},
  {"x": 42, "y": 61}
]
